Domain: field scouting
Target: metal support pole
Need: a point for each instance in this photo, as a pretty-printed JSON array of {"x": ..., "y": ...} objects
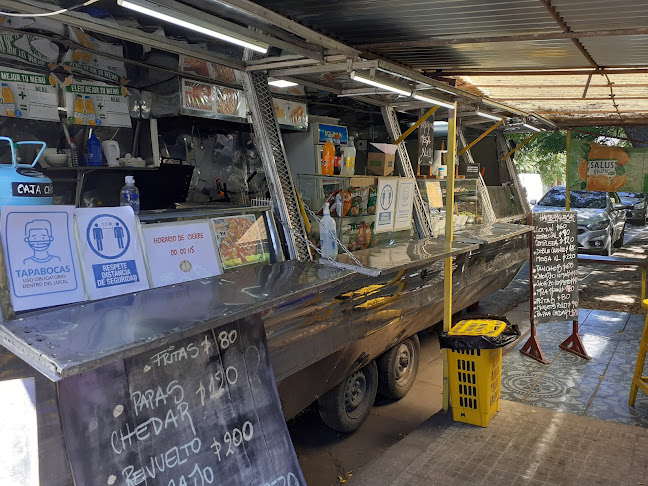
[
  {"x": 421, "y": 213},
  {"x": 449, "y": 236},
  {"x": 513, "y": 173},
  {"x": 643, "y": 284},
  {"x": 478, "y": 139},
  {"x": 488, "y": 213},
  {"x": 273, "y": 155},
  {"x": 567, "y": 194}
]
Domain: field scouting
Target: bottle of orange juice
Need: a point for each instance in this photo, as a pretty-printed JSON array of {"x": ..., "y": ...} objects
[
  {"x": 90, "y": 112},
  {"x": 328, "y": 157},
  {"x": 78, "y": 110},
  {"x": 9, "y": 103}
]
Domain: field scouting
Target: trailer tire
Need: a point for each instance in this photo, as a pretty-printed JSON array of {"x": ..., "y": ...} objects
[
  {"x": 346, "y": 407},
  {"x": 397, "y": 368}
]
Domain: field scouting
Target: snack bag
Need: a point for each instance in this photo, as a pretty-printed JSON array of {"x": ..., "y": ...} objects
[
  {"x": 374, "y": 237},
  {"x": 353, "y": 236},
  {"x": 343, "y": 200},
  {"x": 355, "y": 201},
  {"x": 364, "y": 200},
  {"x": 373, "y": 197},
  {"x": 332, "y": 204}
]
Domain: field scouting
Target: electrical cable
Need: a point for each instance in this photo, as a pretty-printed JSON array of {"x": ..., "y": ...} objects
[{"x": 49, "y": 14}]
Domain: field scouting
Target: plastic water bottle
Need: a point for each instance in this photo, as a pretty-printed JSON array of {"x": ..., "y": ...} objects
[
  {"x": 130, "y": 195},
  {"x": 328, "y": 241}
]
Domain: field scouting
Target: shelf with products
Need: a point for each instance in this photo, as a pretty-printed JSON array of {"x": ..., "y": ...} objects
[{"x": 352, "y": 201}]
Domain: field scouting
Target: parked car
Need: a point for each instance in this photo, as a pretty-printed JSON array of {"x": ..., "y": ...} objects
[
  {"x": 601, "y": 217},
  {"x": 635, "y": 204}
]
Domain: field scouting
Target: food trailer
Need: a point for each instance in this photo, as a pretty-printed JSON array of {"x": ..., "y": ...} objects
[{"x": 209, "y": 140}]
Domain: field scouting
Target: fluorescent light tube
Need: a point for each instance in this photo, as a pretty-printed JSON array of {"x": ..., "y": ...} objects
[
  {"x": 281, "y": 83},
  {"x": 531, "y": 127},
  {"x": 168, "y": 15},
  {"x": 488, "y": 115},
  {"x": 433, "y": 101},
  {"x": 378, "y": 84}
]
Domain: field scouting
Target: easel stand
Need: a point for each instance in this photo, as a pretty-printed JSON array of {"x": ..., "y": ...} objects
[
  {"x": 532, "y": 347},
  {"x": 573, "y": 344}
]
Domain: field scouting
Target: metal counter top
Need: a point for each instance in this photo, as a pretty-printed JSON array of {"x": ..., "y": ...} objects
[
  {"x": 406, "y": 255},
  {"x": 65, "y": 341},
  {"x": 490, "y": 233}
]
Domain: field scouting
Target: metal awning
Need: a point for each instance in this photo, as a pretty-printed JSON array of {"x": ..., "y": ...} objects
[{"x": 537, "y": 55}]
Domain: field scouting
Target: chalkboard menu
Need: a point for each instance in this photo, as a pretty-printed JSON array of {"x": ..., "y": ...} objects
[
  {"x": 554, "y": 269},
  {"x": 197, "y": 412},
  {"x": 426, "y": 142}
]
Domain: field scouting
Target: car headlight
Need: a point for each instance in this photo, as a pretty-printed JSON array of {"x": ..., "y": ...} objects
[
  {"x": 598, "y": 226},
  {"x": 640, "y": 205}
]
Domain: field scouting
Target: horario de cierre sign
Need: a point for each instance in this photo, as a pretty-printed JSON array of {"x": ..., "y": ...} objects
[
  {"x": 197, "y": 412},
  {"x": 554, "y": 278}
]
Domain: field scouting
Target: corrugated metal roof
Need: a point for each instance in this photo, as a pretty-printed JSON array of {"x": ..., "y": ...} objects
[{"x": 385, "y": 22}]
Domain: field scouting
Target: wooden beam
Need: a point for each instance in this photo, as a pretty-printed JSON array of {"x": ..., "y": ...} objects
[
  {"x": 444, "y": 41},
  {"x": 565, "y": 28},
  {"x": 544, "y": 72},
  {"x": 558, "y": 98},
  {"x": 552, "y": 86}
]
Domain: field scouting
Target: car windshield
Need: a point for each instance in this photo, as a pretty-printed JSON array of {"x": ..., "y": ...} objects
[
  {"x": 577, "y": 199},
  {"x": 638, "y": 195}
]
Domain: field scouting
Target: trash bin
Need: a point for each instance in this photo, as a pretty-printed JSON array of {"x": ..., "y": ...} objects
[{"x": 475, "y": 366}]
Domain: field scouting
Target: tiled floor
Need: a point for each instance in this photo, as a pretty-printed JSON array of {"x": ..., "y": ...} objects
[
  {"x": 596, "y": 388},
  {"x": 523, "y": 445}
]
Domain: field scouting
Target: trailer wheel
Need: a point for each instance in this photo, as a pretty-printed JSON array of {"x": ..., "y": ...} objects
[
  {"x": 347, "y": 406},
  {"x": 397, "y": 368}
]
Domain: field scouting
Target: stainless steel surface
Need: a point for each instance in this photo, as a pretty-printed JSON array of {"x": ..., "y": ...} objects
[
  {"x": 66, "y": 341},
  {"x": 489, "y": 233},
  {"x": 421, "y": 214},
  {"x": 273, "y": 155},
  {"x": 408, "y": 255}
]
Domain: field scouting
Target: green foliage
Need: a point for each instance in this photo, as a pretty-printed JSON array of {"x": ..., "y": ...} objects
[{"x": 545, "y": 154}]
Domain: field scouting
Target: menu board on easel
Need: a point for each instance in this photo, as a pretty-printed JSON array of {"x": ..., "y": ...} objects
[{"x": 554, "y": 267}]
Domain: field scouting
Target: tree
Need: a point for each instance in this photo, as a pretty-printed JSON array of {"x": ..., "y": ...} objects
[{"x": 545, "y": 154}]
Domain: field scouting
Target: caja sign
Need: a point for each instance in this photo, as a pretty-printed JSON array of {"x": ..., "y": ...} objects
[{"x": 32, "y": 189}]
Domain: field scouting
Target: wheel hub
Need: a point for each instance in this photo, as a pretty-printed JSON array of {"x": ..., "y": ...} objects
[
  {"x": 404, "y": 368},
  {"x": 355, "y": 392}
]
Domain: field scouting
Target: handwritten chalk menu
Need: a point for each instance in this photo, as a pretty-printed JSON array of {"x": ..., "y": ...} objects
[
  {"x": 555, "y": 267},
  {"x": 180, "y": 251},
  {"x": 201, "y": 411},
  {"x": 41, "y": 256},
  {"x": 112, "y": 258},
  {"x": 426, "y": 142}
]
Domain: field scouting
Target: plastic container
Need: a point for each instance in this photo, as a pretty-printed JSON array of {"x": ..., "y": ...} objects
[
  {"x": 9, "y": 103},
  {"x": 328, "y": 157},
  {"x": 129, "y": 195},
  {"x": 337, "y": 160},
  {"x": 328, "y": 241},
  {"x": 348, "y": 167},
  {"x": 475, "y": 374},
  {"x": 94, "y": 151},
  {"x": 90, "y": 116}
]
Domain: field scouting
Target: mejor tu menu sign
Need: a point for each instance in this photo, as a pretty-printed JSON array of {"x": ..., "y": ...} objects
[
  {"x": 26, "y": 95},
  {"x": 96, "y": 104},
  {"x": 40, "y": 256},
  {"x": 110, "y": 251}
]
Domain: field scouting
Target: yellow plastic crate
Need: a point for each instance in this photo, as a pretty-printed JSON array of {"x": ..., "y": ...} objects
[
  {"x": 478, "y": 327},
  {"x": 475, "y": 381}
]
